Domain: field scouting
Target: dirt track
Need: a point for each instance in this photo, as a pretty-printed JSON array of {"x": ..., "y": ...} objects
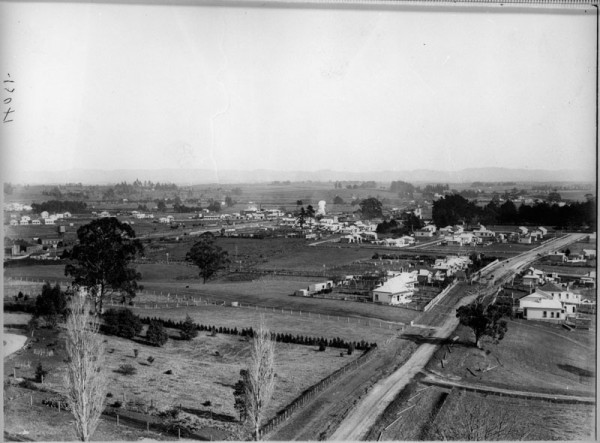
[{"x": 357, "y": 424}]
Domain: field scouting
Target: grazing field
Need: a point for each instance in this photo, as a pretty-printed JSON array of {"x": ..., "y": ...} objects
[
  {"x": 533, "y": 356},
  {"x": 313, "y": 325},
  {"x": 204, "y": 370}
]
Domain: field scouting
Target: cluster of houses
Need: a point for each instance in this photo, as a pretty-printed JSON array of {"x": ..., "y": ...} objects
[
  {"x": 45, "y": 219},
  {"x": 17, "y": 207},
  {"x": 398, "y": 287},
  {"x": 561, "y": 257}
]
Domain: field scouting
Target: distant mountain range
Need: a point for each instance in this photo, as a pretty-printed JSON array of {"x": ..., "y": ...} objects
[{"x": 202, "y": 176}]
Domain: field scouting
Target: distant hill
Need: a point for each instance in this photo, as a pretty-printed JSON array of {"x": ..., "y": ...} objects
[{"x": 200, "y": 176}]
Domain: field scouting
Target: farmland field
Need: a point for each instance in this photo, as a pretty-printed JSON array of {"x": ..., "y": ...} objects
[{"x": 203, "y": 370}]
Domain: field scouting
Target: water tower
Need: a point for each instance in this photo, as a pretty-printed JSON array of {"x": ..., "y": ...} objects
[{"x": 321, "y": 210}]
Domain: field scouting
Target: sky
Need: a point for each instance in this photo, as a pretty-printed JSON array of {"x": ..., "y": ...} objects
[{"x": 133, "y": 86}]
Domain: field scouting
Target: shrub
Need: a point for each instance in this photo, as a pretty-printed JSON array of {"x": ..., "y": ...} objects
[
  {"x": 207, "y": 403},
  {"x": 188, "y": 329},
  {"x": 350, "y": 349},
  {"x": 156, "y": 334},
  {"x": 322, "y": 346},
  {"x": 122, "y": 323},
  {"x": 169, "y": 372},
  {"x": 150, "y": 359},
  {"x": 136, "y": 352},
  {"x": 40, "y": 373},
  {"x": 109, "y": 395},
  {"x": 127, "y": 369},
  {"x": 117, "y": 404}
]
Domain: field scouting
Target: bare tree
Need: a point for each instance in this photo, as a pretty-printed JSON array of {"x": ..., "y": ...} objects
[
  {"x": 261, "y": 376},
  {"x": 86, "y": 380},
  {"x": 472, "y": 418}
]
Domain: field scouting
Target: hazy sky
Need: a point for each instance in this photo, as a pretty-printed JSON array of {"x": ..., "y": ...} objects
[{"x": 135, "y": 86}]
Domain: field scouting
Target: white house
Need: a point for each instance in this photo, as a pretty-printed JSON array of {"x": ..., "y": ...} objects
[
  {"x": 483, "y": 232},
  {"x": 538, "y": 306},
  {"x": 36, "y": 222},
  {"x": 533, "y": 277},
  {"x": 397, "y": 290},
  {"x": 44, "y": 214},
  {"x": 569, "y": 300},
  {"x": 522, "y": 230},
  {"x": 13, "y": 222},
  {"x": 316, "y": 287},
  {"x": 525, "y": 239},
  {"x": 589, "y": 253},
  {"x": 49, "y": 221},
  {"x": 425, "y": 231}
]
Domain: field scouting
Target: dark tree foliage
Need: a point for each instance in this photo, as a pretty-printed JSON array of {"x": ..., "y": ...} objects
[
  {"x": 214, "y": 206},
  {"x": 40, "y": 372},
  {"x": 75, "y": 207},
  {"x": 209, "y": 257},
  {"x": 302, "y": 216},
  {"x": 100, "y": 260},
  {"x": 371, "y": 208},
  {"x": 239, "y": 394},
  {"x": 484, "y": 321},
  {"x": 451, "y": 209},
  {"x": 161, "y": 206},
  {"x": 51, "y": 304},
  {"x": 337, "y": 200},
  {"x": 508, "y": 213},
  {"x": 188, "y": 329},
  {"x": 122, "y": 323},
  {"x": 156, "y": 334},
  {"x": 411, "y": 222}
]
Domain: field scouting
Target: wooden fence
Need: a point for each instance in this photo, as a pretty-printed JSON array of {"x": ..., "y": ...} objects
[
  {"x": 312, "y": 392},
  {"x": 440, "y": 296}
]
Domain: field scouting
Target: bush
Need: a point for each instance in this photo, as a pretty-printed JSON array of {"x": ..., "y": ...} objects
[
  {"x": 322, "y": 346},
  {"x": 109, "y": 395},
  {"x": 169, "y": 372},
  {"x": 150, "y": 359},
  {"x": 122, "y": 323},
  {"x": 188, "y": 329},
  {"x": 156, "y": 334},
  {"x": 127, "y": 369},
  {"x": 350, "y": 349},
  {"x": 117, "y": 404},
  {"x": 136, "y": 352}
]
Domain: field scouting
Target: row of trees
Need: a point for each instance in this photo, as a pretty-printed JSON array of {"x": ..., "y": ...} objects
[
  {"x": 455, "y": 208},
  {"x": 189, "y": 326},
  {"x": 53, "y": 206}
]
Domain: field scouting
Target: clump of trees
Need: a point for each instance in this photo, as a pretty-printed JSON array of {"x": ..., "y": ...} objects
[
  {"x": 100, "y": 260},
  {"x": 485, "y": 321},
  {"x": 404, "y": 189},
  {"x": 209, "y": 257},
  {"x": 51, "y": 305},
  {"x": 454, "y": 208},
  {"x": 371, "y": 208},
  {"x": 74, "y": 207},
  {"x": 122, "y": 323}
]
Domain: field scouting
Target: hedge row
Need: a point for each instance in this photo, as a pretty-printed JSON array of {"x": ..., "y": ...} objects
[{"x": 283, "y": 338}]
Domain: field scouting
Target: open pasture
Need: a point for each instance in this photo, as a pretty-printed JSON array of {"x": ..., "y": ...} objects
[
  {"x": 286, "y": 322},
  {"x": 534, "y": 356},
  {"x": 204, "y": 370},
  {"x": 268, "y": 292}
]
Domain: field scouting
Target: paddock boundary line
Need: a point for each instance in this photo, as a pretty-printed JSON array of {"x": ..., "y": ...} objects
[{"x": 176, "y": 301}]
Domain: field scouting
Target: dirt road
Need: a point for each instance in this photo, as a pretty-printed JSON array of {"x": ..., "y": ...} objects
[
  {"x": 359, "y": 421},
  {"x": 357, "y": 424}
]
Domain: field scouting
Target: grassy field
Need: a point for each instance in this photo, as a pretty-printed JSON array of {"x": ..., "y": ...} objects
[
  {"x": 203, "y": 370},
  {"x": 267, "y": 291},
  {"x": 319, "y": 325},
  {"x": 533, "y": 356}
]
